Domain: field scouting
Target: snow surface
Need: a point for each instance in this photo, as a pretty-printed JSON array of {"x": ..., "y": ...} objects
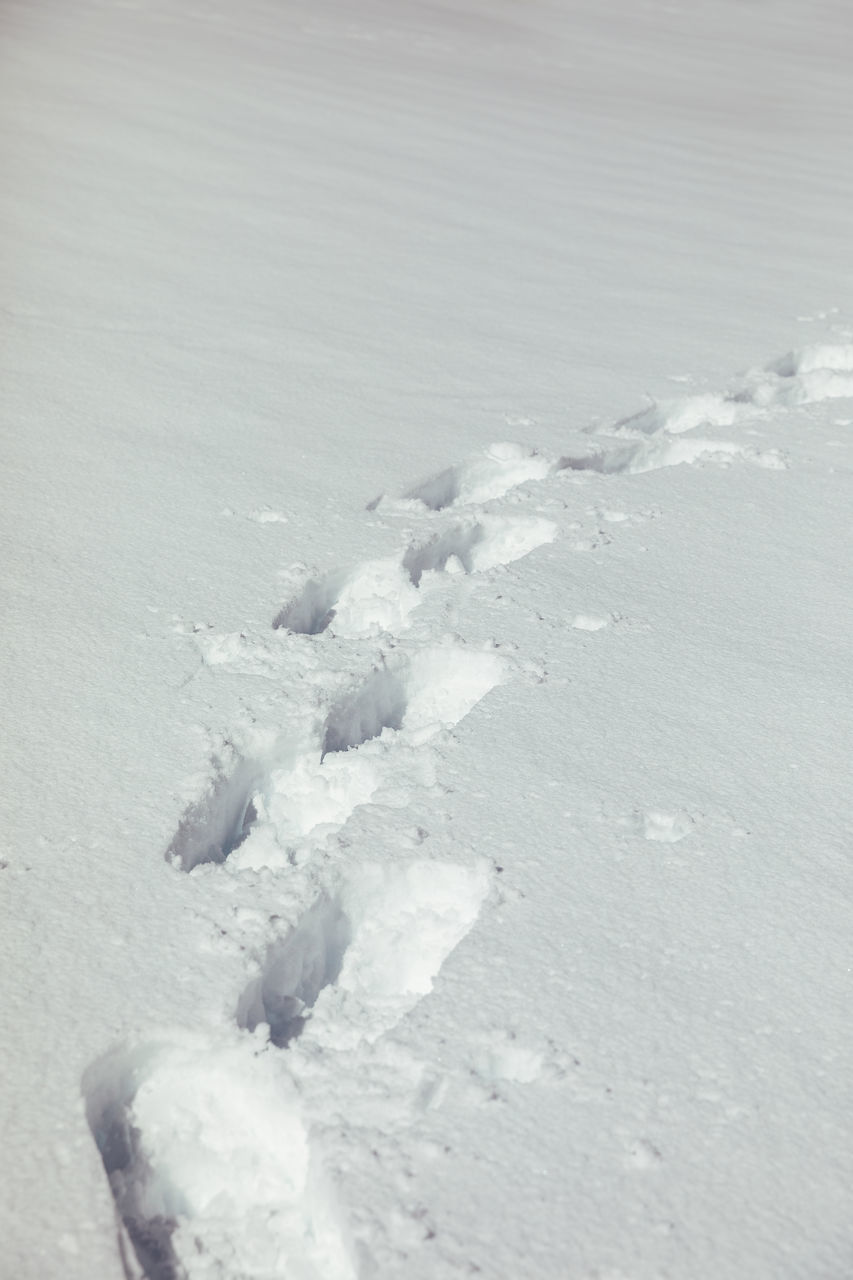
[{"x": 427, "y": 634}]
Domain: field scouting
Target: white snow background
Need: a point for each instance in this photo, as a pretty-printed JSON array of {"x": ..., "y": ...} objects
[{"x": 427, "y": 514}]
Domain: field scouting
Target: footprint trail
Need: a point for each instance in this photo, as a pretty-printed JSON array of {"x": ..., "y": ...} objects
[
  {"x": 212, "y": 1140},
  {"x": 379, "y": 596}
]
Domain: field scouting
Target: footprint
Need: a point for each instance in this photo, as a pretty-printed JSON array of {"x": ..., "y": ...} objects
[
  {"x": 480, "y": 546},
  {"x": 404, "y": 699},
  {"x": 666, "y": 451},
  {"x": 209, "y": 1162},
  {"x": 358, "y": 962},
  {"x": 206, "y": 1151},
  {"x": 455, "y": 547},
  {"x": 823, "y": 371},
  {"x": 414, "y": 699},
  {"x": 375, "y": 598},
  {"x": 148, "y": 1219},
  {"x": 313, "y": 609},
  {"x": 433, "y": 689},
  {"x": 678, "y": 415},
  {"x": 403, "y": 923},
  {"x": 380, "y": 595},
  {"x": 483, "y": 477},
  {"x": 380, "y": 703},
  {"x": 295, "y": 971},
  {"x": 213, "y": 827}
]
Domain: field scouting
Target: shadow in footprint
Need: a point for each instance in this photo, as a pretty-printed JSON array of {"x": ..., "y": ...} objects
[
  {"x": 295, "y": 971},
  {"x": 313, "y": 609},
  {"x": 585, "y": 462},
  {"x": 458, "y": 543},
  {"x": 213, "y": 827},
  {"x": 379, "y": 704},
  {"x": 109, "y": 1087},
  {"x": 484, "y": 476},
  {"x": 439, "y": 491}
]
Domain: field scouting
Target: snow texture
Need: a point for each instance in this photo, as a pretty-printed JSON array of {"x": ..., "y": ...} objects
[{"x": 453, "y": 881}]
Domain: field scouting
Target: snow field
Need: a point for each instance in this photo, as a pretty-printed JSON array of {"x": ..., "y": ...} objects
[
  {"x": 264, "y": 261},
  {"x": 211, "y": 1142}
]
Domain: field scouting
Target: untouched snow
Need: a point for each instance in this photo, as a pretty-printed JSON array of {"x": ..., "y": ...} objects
[{"x": 427, "y": 509}]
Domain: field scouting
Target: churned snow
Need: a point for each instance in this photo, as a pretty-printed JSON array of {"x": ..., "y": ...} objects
[{"x": 427, "y": 636}]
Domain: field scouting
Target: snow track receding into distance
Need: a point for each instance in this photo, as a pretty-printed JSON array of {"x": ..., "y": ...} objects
[
  {"x": 208, "y": 1145},
  {"x": 450, "y": 884},
  {"x": 823, "y": 371}
]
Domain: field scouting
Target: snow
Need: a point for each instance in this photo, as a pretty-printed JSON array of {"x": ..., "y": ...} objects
[{"x": 426, "y": 514}]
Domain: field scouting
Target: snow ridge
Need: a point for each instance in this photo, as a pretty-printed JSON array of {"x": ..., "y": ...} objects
[{"x": 207, "y": 1139}]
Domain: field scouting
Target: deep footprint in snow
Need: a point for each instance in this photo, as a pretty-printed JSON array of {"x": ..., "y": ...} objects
[
  {"x": 213, "y": 827},
  {"x": 405, "y": 922},
  {"x": 259, "y": 818},
  {"x": 371, "y": 952},
  {"x": 478, "y": 546},
  {"x": 664, "y": 450},
  {"x": 148, "y": 1220},
  {"x": 432, "y": 690},
  {"x": 378, "y": 704},
  {"x": 674, "y": 416},
  {"x": 295, "y": 971},
  {"x": 380, "y": 595},
  {"x": 412, "y": 700},
  {"x": 823, "y": 371},
  {"x": 310, "y": 613},
  {"x": 209, "y": 1162},
  {"x": 483, "y": 477},
  {"x": 204, "y": 1145}
]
